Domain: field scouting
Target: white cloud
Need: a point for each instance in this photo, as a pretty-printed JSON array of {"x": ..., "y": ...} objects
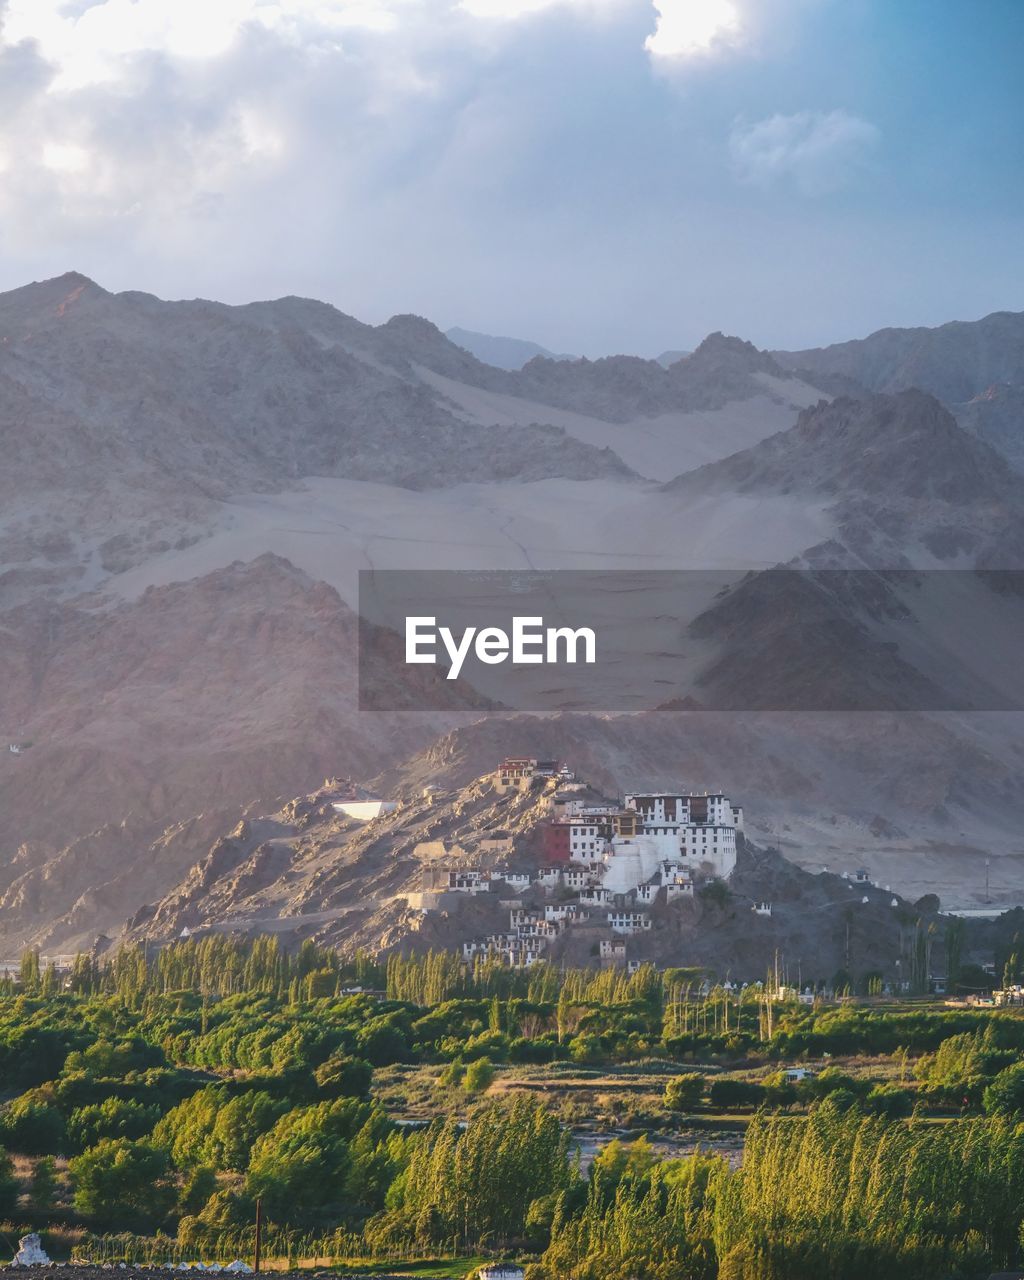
[
  {"x": 819, "y": 152},
  {"x": 505, "y": 9},
  {"x": 64, "y": 157},
  {"x": 91, "y": 45},
  {"x": 688, "y": 27}
]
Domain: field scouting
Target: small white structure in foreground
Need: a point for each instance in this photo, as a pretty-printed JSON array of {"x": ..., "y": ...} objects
[
  {"x": 501, "y": 1271},
  {"x": 30, "y": 1252}
]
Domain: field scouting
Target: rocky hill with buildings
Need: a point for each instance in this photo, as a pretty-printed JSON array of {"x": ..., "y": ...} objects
[{"x": 531, "y": 863}]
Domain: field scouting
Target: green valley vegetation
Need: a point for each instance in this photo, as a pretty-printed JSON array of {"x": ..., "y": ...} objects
[{"x": 154, "y": 1097}]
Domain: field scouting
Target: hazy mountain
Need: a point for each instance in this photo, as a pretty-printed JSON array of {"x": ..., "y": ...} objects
[
  {"x": 892, "y": 446},
  {"x": 503, "y": 353},
  {"x": 217, "y": 399},
  {"x": 722, "y": 369},
  {"x": 956, "y": 361}
]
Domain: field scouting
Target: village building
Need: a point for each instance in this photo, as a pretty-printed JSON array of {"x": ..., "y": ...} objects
[
  {"x": 628, "y": 922},
  {"x": 521, "y": 772}
]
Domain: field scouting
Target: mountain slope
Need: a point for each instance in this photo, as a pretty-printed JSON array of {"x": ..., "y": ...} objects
[
  {"x": 997, "y": 417},
  {"x": 221, "y": 399},
  {"x": 955, "y": 361},
  {"x": 907, "y": 484}
]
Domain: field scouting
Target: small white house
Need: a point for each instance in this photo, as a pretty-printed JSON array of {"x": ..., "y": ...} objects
[
  {"x": 628, "y": 922},
  {"x": 501, "y": 1271}
]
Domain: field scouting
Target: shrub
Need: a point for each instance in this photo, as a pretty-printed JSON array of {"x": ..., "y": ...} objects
[
  {"x": 736, "y": 1093},
  {"x": 682, "y": 1093},
  {"x": 479, "y": 1076}
]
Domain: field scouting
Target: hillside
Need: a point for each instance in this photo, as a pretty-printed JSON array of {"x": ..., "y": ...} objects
[{"x": 154, "y": 723}]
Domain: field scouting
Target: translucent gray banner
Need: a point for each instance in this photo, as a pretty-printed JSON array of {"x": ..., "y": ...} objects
[{"x": 779, "y": 639}]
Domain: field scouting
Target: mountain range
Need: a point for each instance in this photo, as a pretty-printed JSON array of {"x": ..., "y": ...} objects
[{"x": 189, "y": 490}]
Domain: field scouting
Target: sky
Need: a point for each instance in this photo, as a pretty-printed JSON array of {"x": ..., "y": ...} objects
[{"x": 595, "y": 175}]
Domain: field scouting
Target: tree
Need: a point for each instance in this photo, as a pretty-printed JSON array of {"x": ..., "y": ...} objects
[
  {"x": 344, "y": 1077},
  {"x": 8, "y": 1184},
  {"x": 479, "y": 1182},
  {"x": 479, "y": 1076},
  {"x": 683, "y": 1093},
  {"x": 736, "y": 1093},
  {"x": 32, "y": 1126},
  {"x": 44, "y": 1182},
  {"x": 382, "y": 1040},
  {"x": 300, "y": 1167},
  {"x": 111, "y": 1118},
  {"x": 119, "y": 1182},
  {"x": 1005, "y": 1095}
]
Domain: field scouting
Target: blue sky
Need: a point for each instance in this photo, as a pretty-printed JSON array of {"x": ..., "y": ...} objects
[{"x": 598, "y": 175}]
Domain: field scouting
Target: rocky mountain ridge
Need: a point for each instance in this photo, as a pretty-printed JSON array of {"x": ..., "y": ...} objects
[{"x": 955, "y": 361}]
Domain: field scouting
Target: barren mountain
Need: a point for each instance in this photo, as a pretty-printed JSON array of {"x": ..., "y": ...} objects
[
  {"x": 913, "y": 798},
  {"x": 955, "y": 361}
]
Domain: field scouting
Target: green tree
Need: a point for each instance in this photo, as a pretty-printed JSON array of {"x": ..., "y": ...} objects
[
  {"x": 479, "y": 1076},
  {"x": 33, "y": 1126},
  {"x": 118, "y": 1183},
  {"x": 683, "y": 1093},
  {"x": 1005, "y": 1095},
  {"x": 8, "y": 1184},
  {"x": 342, "y": 1076},
  {"x": 44, "y": 1182},
  {"x": 111, "y": 1118}
]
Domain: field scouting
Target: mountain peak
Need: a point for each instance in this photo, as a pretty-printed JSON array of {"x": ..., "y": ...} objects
[
  {"x": 719, "y": 343},
  {"x": 413, "y": 326}
]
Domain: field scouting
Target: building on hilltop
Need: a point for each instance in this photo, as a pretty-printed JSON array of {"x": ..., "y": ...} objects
[{"x": 522, "y": 771}]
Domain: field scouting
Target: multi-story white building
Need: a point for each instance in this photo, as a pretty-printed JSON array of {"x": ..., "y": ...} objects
[
  {"x": 588, "y": 840},
  {"x": 628, "y": 922},
  {"x": 665, "y": 811},
  {"x": 711, "y": 845}
]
